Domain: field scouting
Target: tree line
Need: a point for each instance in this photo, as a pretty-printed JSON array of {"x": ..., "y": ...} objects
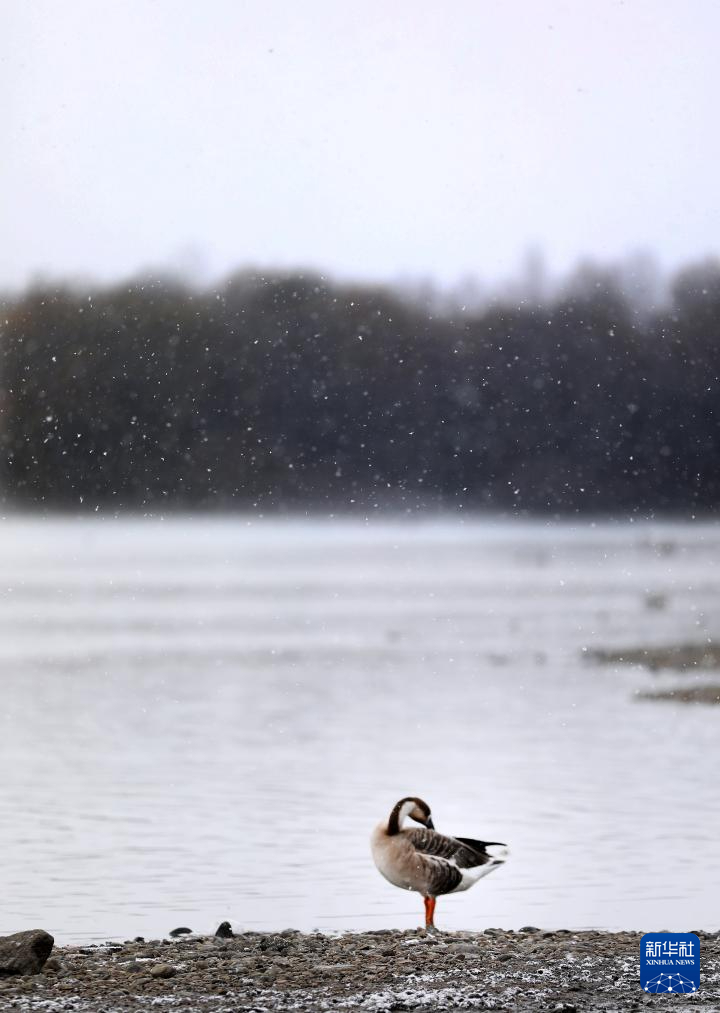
[{"x": 294, "y": 392}]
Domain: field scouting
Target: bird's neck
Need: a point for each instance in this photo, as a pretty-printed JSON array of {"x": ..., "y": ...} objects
[{"x": 397, "y": 818}]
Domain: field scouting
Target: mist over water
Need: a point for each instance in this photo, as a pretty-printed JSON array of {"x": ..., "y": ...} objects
[{"x": 203, "y": 719}]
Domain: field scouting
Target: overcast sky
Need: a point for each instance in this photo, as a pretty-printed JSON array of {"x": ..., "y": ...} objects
[{"x": 366, "y": 138}]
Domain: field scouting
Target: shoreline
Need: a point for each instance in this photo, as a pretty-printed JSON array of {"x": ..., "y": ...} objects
[{"x": 378, "y": 971}]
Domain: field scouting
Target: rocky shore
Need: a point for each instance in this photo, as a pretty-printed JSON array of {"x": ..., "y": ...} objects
[{"x": 524, "y": 970}]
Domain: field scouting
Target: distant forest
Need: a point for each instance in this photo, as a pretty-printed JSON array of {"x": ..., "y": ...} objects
[{"x": 292, "y": 392}]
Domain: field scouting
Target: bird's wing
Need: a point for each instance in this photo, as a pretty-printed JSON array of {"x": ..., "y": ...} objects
[
  {"x": 462, "y": 852},
  {"x": 450, "y": 863},
  {"x": 432, "y": 855}
]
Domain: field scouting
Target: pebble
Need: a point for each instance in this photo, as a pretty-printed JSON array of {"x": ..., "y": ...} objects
[
  {"x": 162, "y": 971},
  {"x": 467, "y": 948}
]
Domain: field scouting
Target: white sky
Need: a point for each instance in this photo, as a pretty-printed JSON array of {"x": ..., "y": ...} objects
[{"x": 372, "y": 139}]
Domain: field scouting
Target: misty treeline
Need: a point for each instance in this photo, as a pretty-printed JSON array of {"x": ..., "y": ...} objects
[{"x": 291, "y": 391}]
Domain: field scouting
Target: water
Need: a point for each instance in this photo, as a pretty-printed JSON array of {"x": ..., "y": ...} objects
[{"x": 203, "y": 719}]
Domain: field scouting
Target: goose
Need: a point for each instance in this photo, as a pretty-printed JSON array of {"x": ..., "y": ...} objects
[{"x": 426, "y": 861}]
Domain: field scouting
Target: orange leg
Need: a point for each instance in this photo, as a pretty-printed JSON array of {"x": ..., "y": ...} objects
[{"x": 429, "y": 912}]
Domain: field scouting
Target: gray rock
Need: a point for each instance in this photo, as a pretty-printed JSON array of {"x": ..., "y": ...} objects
[
  {"x": 466, "y": 948},
  {"x": 162, "y": 971},
  {"x": 25, "y": 952}
]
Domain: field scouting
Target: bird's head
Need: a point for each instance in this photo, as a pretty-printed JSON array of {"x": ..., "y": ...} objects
[{"x": 409, "y": 808}]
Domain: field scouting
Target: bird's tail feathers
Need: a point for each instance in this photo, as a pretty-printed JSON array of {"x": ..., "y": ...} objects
[{"x": 494, "y": 850}]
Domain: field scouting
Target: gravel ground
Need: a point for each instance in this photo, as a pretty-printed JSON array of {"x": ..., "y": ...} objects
[{"x": 375, "y": 971}]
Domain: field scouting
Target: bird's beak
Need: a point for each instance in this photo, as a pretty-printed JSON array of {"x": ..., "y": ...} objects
[{"x": 429, "y": 823}]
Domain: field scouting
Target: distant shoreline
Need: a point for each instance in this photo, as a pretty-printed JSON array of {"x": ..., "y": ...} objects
[{"x": 382, "y": 970}]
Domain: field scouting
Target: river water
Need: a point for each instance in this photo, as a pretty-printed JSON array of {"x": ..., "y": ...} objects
[{"x": 203, "y": 720}]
